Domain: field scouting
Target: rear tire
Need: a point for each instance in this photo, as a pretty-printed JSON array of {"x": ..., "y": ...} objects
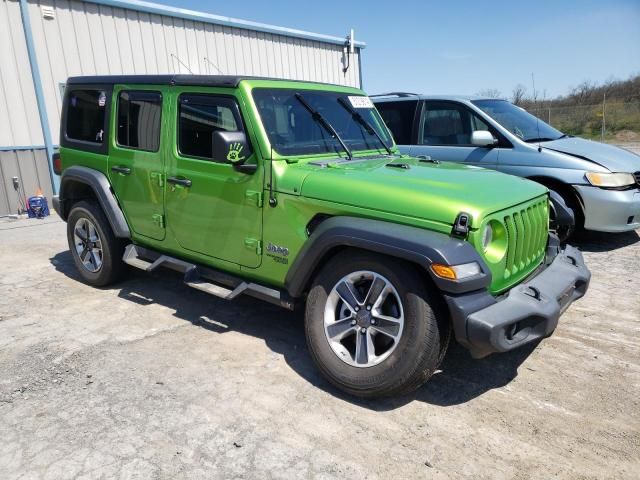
[
  {"x": 403, "y": 331},
  {"x": 96, "y": 251}
]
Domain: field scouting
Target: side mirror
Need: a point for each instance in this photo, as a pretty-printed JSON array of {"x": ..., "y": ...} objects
[
  {"x": 483, "y": 138},
  {"x": 231, "y": 147}
]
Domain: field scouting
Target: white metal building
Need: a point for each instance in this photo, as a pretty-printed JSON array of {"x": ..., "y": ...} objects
[{"x": 44, "y": 42}]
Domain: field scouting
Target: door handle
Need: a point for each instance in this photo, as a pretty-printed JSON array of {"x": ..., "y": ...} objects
[
  {"x": 183, "y": 182},
  {"x": 122, "y": 170}
]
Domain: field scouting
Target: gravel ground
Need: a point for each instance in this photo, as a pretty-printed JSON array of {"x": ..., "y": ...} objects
[{"x": 151, "y": 379}]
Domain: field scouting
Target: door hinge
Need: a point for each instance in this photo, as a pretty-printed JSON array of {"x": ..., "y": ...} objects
[
  {"x": 253, "y": 198},
  {"x": 158, "y": 220},
  {"x": 253, "y": 243},
  {"x": 157, "y": 177}
]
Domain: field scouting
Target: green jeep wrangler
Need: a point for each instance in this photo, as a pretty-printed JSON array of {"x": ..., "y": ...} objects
[{"x": 294, "y": 192}]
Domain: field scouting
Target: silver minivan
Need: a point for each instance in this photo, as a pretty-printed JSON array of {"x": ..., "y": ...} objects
[{"x": 600, "y": 183}]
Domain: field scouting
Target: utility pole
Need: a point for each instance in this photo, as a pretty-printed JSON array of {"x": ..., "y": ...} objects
[{"x": 604, "y": 112}]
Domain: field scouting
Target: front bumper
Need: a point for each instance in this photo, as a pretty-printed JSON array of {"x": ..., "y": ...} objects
[
  {"x": 610, "y": 210},
  {"x": 528, "y": 312}
]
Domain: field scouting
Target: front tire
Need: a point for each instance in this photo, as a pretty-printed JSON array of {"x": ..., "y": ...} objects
[
  {"x": 373, "y": 327},
  {"x": 96, "y": 251}
]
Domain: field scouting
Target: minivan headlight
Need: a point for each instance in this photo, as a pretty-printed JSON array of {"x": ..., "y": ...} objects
[{"x": 599, "y": 179}]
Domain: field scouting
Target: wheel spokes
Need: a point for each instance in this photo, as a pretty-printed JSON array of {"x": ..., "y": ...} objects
[
  {"x": 364, "y": 345},
  {"x": 364, "y": 318},
  {"x": 386, "y": 325},
  {"x": 95, "y": 260},
  {"x": 348, "y": 295},
  {"x": 377, "y": 287},
  {"x": 340, "y": 329},
  {"x": 80, "y": 233}
]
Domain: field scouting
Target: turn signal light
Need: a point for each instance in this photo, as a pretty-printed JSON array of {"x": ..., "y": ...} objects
[
  {"x": 456, "y": 272},
  {"x": 443, "y": 271}
]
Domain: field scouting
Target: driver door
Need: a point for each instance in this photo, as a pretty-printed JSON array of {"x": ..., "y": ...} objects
[{"x": 212, "y": 209}]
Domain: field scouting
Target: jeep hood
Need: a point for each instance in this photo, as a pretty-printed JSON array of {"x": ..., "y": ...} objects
[
  {"x": 609, "y": 156},
  {"x": 434, "y": 192}
]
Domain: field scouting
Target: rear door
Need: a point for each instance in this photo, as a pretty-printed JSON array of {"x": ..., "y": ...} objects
[
  {"x": 444, "y": 134},
  {"x": 135, "y": 159}
]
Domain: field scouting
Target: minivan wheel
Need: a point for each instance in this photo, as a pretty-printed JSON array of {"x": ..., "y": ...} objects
[
  {"x": 96, "y": 252},
  {"x": 373, "y": 327},
  {"x": 564, "y": 232}
]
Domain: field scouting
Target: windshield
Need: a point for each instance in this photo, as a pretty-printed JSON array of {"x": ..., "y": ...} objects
[
  {"x": 518, "y": 121},
  {"x": 292, "y": 130}
]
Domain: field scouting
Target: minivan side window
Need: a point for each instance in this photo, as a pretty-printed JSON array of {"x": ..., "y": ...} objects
[
  {"x": 399, "y": 118},
  {"x": 200, "y": 115},
  {"x": 448, "y": 124},
  {"x": 139, "y": 120},
  {"x": 85, "y": 116}
]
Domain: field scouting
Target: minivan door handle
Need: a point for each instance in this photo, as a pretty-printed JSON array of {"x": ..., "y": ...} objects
[
  {"x": 122, "y": 170},
  {"x": 183, "y": 182}
]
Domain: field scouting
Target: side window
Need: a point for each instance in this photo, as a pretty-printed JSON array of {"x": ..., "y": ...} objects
[
  {"x": 478, "y": 123},
  {"x": 139, "y": 120},
  {"x": 85, "y": 116},
  {"x": 445, "y": 124},
  {"x": 399, "y": 118},
  {"x": 198, "y": 117}
]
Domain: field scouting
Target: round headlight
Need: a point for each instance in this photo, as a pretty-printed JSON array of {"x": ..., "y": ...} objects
[{"x": 487, "y": 236}]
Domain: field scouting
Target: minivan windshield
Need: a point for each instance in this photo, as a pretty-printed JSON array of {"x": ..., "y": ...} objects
[
  {"x": 293, "y": 130},
  {"x": 518, "y": 121}
]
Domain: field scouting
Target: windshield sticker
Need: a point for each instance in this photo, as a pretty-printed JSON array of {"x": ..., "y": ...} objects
[
  {"x": 102, "y": 99},
  {"x": 358, "y": 101}
]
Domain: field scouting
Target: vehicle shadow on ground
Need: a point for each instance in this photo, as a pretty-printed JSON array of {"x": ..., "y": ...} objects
[
  {"x": 588, "y": 241},
  {"x": 459, "y": 380}
]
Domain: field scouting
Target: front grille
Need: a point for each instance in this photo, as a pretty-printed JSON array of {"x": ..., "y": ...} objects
[
  {"x": 527, "y": 231},
  {"x": 637, "y": 177}
]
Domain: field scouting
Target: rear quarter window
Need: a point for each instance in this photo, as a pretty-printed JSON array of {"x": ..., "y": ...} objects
[{"x": 85, "y": 118}]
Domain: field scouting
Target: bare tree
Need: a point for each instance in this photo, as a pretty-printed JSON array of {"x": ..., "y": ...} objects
[
  {"x": 490, "y": 93},
  {"x": 519, "y": 94}
]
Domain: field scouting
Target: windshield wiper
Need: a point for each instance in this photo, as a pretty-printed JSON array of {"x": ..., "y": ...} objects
[
  {"x": 361, "y": 120},
  {"x": 541, "y": 139},
  {"x": 317, "y": 116}
]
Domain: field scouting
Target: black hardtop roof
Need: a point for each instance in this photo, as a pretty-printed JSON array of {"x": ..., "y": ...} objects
[{"x": 230, "y": 81}]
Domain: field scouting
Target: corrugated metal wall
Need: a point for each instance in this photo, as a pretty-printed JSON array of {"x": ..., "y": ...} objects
[
  {"x": 30, "y": 166},
  {"x": 89, "y": 39},
  {"x": 85, "y": 38},
  {"x": 19, "y": 120}
]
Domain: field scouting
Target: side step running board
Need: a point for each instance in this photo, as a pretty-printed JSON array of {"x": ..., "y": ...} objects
[{"x": 205, "y": 279}]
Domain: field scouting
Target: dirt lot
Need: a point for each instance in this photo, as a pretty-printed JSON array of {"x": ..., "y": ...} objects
[{"x": 154, "y": 380}]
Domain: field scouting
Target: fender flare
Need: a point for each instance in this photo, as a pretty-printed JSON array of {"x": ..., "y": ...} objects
[
  {"x": 101, "y": 187},
  {"x": 416, "y": 245}
]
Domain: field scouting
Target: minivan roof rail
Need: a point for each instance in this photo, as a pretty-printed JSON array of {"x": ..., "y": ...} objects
[{"x": 395, "y": 94}]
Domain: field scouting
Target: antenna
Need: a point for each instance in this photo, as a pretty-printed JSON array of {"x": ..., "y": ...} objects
[
  {"x": 209, "y": 62},
  {"x": 180, "y": 62},
  {"x": 535, "y": 104},
  {"x": 272, "y": 200},
  {"x": 348, "y": 49}
]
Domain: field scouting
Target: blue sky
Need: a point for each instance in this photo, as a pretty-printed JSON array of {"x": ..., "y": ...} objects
[{"x": 466, "y": 46}]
